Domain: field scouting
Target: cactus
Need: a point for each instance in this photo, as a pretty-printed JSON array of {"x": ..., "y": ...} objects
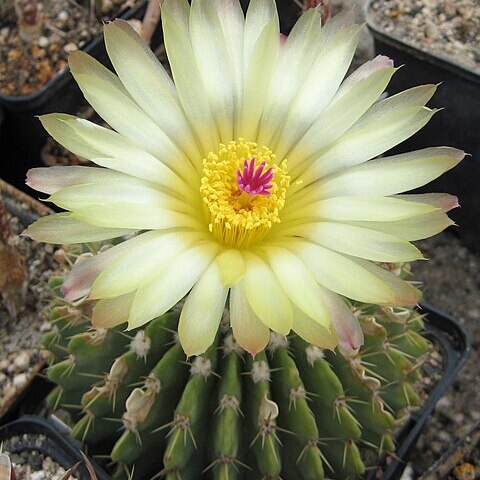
[{"x": 292, "y": 412}]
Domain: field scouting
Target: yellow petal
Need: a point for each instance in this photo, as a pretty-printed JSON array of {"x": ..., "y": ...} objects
[
  {"x": 359, "y": 242},
  {"x": 171, "y": 284},
  {"x": 299, "y": 284},
  {"x": 250, "y": 333},
  {"x": 342, "y": 274},
  {"x": 141, "y": 263},
  {"x": 202, "y": 312},
  {"x": 112, "y": 312},
  {"x": 64, "y": 228},
  {"x": 312, "y": 332},
  {"x": 155, "y": 93},
  {"x": 265, "y": 295},
  {"x": 232, "y": 267}
]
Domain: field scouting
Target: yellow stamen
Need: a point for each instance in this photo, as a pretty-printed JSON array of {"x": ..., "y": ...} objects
[{"x": 236, "y": 218}]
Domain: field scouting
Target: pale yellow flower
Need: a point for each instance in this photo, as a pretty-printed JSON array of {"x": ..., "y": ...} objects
[{"x": 248, "y": 179}]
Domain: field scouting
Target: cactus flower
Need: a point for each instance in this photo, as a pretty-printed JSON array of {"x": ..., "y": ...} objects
[{"x": 249, "y": 181}]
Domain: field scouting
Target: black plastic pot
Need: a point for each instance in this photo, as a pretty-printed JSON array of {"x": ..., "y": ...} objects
[
  {"x": 454, "y": 343},
  {"x": 457, "y": 126},
  {"x": 49, "y": 441},
  {"x": 22, "y": 136}
]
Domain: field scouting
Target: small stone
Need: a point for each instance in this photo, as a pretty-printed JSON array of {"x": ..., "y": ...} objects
[
  {"x": 4, "y": 364},
  {"x": 22, "y": 362},
  {"x": 40, "y": 475},
  {"x": 20, "y": 381},
  {"x": 465, "y": 471},
  {"x": 431, "y": 30},
  {"x": 450, "y": 9},
  {"x": 437, "y": 447},
  {"x": 70, "y": 47},
  {"x": 43, "y": 42},
  {"x": 63, "y": 16}
]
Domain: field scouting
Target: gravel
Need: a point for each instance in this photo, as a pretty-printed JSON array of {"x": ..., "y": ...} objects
[
  {"x": 66, "y": 25},
  {"x": 21, "y": 357},
  {"x": 29, "y": 460},
  {"x": 446, "y": 28}
]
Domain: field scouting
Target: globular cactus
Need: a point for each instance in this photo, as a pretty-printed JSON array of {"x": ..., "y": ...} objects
[{"x": 292, "y": 412}]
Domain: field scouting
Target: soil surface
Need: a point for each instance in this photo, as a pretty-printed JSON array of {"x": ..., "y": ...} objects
[
  {"x": 451, "y": 280},
  {"x": 29, "y": 461},
  {"x": 446, "y": 28},
  {"x": 20, "y": 355},
  {"x": 64, "y": 26}
]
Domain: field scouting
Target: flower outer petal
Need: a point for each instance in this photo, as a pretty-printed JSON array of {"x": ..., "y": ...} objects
[
  {"x": 113, "y": 103},
  {"x": 347, "y": 327},
  {"x": 112, "y": 312},
  {"x": 79, "y": 281},
  {"x": 140, "y": 264},
  {"x": 405, "y": 294},
  {"x": 260, "y": 52},
  {"x": 294, "y": 63},
  {"x": 232, "y": 21},
  {"x": 391, "y": 175},
  {"x": 361, "y": 73},
  {"x": 156, "y": 93},
  {"x": 299, "y": 284},
  {"x": 412, "y": 228},
  {"x": 312, "y": 332},
  {"x": 52, "y": 179},
  {"x": 232, "y": 267},
  {"x": 361, "y": 208},
  {"x": 342, "y": 274},
  {"x": 326, "y": 74},
  {"x": 65, "y": 228},
  {"x": 113, "y": 191},
  {"x": 171, "y": 284},
  {"x": 265, "y": 295},
  {"x": 383, "y": 126},
  {"x": 116, "y": 152},
  {"x": 214, "y": 64},
  {"x": 338, "y": 117},
  {"x": 62, "y": 132},
  {"x": 359, "y": 242},
  {"x": 186, "y": 74},
  {"x": 137, "y": 216},
  {"x": 248, "y": 330},
  {"x": 358, "y": 147},
  {"x": 201, "y": 315},
  {"x": 442, "y": 201}
]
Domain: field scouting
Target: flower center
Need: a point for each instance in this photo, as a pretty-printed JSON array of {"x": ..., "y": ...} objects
[{"x": 243, "y": 190}]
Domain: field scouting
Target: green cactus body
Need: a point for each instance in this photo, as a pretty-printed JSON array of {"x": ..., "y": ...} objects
[
  {"x": 186, "y": 435},
  {"x": 106, "y": 401},
  {"x": 294, "y": 412},
  {"x": 227, "y": 445},
  {"x": 262, "y": 413}
]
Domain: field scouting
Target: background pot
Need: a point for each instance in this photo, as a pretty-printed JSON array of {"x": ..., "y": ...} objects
[
  {"x": 49, "y": 441},
  {"x": 22, "y": 136},
  {"x": 457, "y": 125}
]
